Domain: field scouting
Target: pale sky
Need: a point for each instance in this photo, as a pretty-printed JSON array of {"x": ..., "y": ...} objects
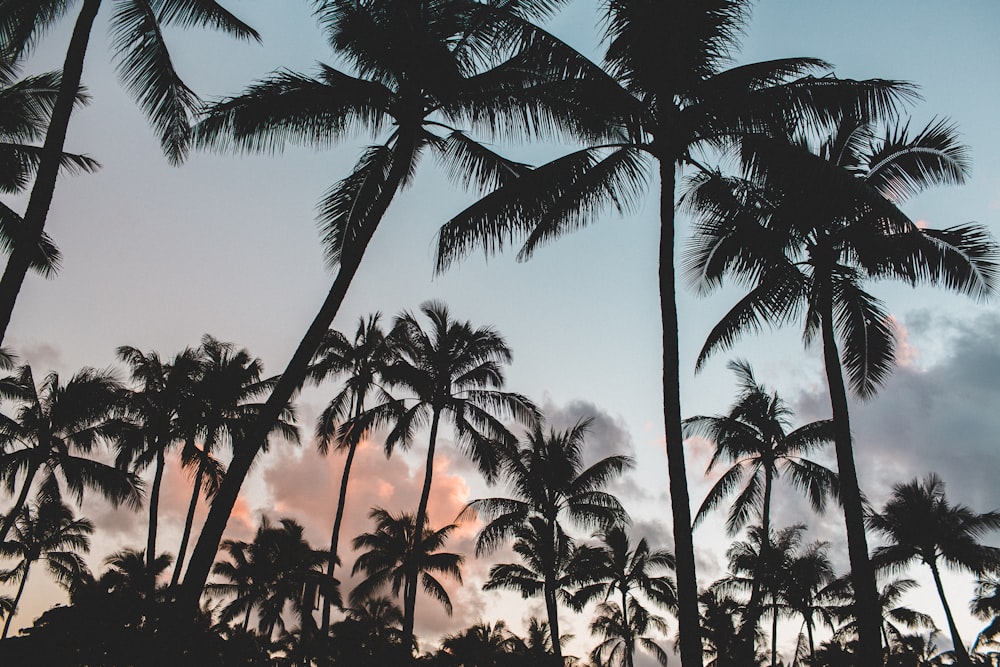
[{"x": 155, "y": 256}]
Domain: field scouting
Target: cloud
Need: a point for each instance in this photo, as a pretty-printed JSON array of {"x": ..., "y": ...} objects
[{"x": 607, "y": 435}]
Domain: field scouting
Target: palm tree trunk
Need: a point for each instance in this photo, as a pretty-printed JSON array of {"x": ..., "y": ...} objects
[
  {"x": 774, "y": 630},
  {"x": 17, "y": 600},
  {"x": 755, "y": 608},
  {"x": 866, "y": 604},
  {"x": 629, "y": 640},
  {"x": 812, "y": 643},
  {"x": 337, "y": 520},
  {"x": 961, "y": 654},
  {"x": 48, "y": 168},
  {"x": 22, "y": 498},
  {"x": 188, "y": 523},
  {"x": 154, "y": 503},
  {"x": 680, "y": 504},
  {"x": 410, "y": 596},
  {"x": 552, "y": 610},
  {"x": 290, "y": 381}
]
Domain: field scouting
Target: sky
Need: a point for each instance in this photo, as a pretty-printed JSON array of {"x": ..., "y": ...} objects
[{"x": 155, "y": 256}]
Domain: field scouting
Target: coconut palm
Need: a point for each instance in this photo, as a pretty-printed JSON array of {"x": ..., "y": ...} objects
[
  {"x": 370, "y": 634},
  {"x": 55, "y": 431},
  {"x": 755, "y": 438},
  {"x": 223, "y": 396},
  {"x": 164, "y": 410},
  {"x": 615, "y": 568},
  {"x": 46, "y": 532},
  {"x": 361, "y": 361},
  {"x": 483, "y": 645},
  {"x": 620, "y": 635},
  {"x": 804, "y": 228},
  {"x": 449, "y": 371},
  {"x": 277, "y": 569},
  {"x": 721, "y": 616},
  {"x": 147, "y": 71},
  {"x": 417, "y": 71},
  {"x": 893, "y": 613},
  {"x": 665, "y": 97},
  {"x": 918, "y": 522},
  {"x": 550, "y": 486},
  {"x": 804, "y": 589},
  {"x": 393, "y": 552}
]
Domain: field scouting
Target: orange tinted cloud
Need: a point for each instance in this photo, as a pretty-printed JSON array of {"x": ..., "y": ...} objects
[{"x": 906, "y": 352}]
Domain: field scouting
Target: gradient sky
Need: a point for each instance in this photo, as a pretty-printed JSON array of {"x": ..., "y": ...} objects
[{"x": 155, "y": 256}]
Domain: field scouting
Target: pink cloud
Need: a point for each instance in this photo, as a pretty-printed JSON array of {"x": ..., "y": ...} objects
[{"x": 906, "y": 352}]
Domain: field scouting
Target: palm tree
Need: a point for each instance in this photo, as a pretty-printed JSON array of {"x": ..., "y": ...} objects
[
  {"x": 620, "y": 635},
  {"x": 483, "y": 645},
  {"x": 804, "y": 228},
  {"x": 451, "y": 370},
  {"x": 394, "y": 552},
  {"x": 893, "y": 614},
  {"x": 55, "y": 431},
  {"x": 361, "y": 361},
  {"x": 720, "y": 619},
  {"x": 226, "y": 386},
  {"x": 409, "y": 101},
  {"x": 755, "y": 439},
  {"x": 665, "y": 97},
  {"x": 614, "y": 568},
  {"x": 371, "y": 634},
  {"x": 164, "y": 410},
  {"x": 919, "y": 522},
  {"x": 550, "y": 485},
  {"x": 277, "y": 569},
  {"x": 808, "y": 574},
  {"x": 146, "y": 69},
  {"x": 46, "y": 532}
]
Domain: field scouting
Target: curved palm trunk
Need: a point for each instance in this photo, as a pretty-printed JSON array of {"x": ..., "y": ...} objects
[
  {"x": 812, "y": 643},
  {"x": 866, "y": 603},
  {"x": 337, "y": 520},
  {"x": 289, "y": 382},
  {"x": 680, "y": 504},
  {"x": 188, "y": 523},
  {"x": 17, "y": 600},
  {"x": 48, "y": 168},
  {"x": 154, "y": 503},
  {"x": 22, "y": 498},
  {"x": 410, "y": 592},
  {"x": 552, "y": 610},
  {"x": 755, "y": 607},
  {"x": 961, "y": 655}
]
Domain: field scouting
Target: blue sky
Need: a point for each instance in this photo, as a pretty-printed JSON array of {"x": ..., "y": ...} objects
[{"x": 156, "y": 255}]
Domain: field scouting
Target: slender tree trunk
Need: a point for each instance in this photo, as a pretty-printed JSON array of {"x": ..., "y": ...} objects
[
  {"x": 552, "y": 610},
  {"x": 22, "y": 498},
  {"x": 48, "y": 168},
  {"x": 188, "y": 523},
  {"x": 289, "y": 382},
  {"x": 154, "y": 502},
  {"x": 774, "y": 630},
  {"x": 17, "y": 601},
  {"x": 410, "y": 597},
  {"x": 337, "y": 520},
  {"x": 680, "y": 504},
  {"x": 812, "y": 644},
  {"x": 629, "y": 640},
  {"x": 866, "y": 604},
  {"x": 961, "y": 654},
  {"x": 755, "y": 608}
]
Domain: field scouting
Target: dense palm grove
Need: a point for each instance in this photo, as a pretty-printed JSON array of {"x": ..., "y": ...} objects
[{"x": 803, "y": 216}]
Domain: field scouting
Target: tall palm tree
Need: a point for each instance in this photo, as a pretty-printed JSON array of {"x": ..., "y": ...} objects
[
  {"x": 755, "y": 439},
  {"x": 665, "y": 97},
  {"x": 223, "y": 395},
  {"x": 550, "y": 486},
  {"x": 615, "y": 568},
  {"x": 146, "y": 69},
  {"x": 417, "y": 71},
  {"x": 46, "y": 532},
  {"x": 451, "y": 371},
  {"x": 918, "y": 522},
  {"x": 55, "y": 431},
  {"x": 804, "y": 228},
  {"x": 361, "y": 361},
  {"x": 394, "y": 552},
  {"x": 164, "y": 410},
  {"x": 278, "y": 568}
]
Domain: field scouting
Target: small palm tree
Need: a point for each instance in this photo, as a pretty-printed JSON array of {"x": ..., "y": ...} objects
[
  {"x": 49, "y": 533},
  {"x": 55, "y": 431},
  {"x": 804, "y": 228},
  {"x": 804, "y": 590},
  {"x": 146, "y": 69},
  {"x": 550, "y": 485},
  {"x": 362, "y": 362},
  {"x": 393, "y": 551},
  {"x": 894, "y": 614},
  {"x": 483, "y": 645},
  {"x": 620, "y": 635},
  {"x": 721, "y": 616},
  {"x": 918, "y": 522},
  {"x": 615, "y": 568},
  {"x": 454, "y": 371}
]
